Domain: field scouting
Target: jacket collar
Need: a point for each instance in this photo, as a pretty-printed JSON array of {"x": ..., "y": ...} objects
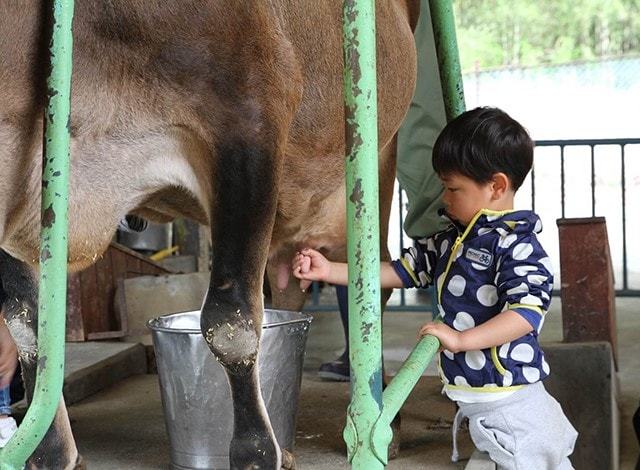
[{"x": 503, "y": 222}]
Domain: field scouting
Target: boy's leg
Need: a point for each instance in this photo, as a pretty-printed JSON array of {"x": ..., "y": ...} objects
[
  {"x": 8, "y": 425},
  {"x": 342, "y": 294},
  {"x": 16, "y": 389},
  {"x": 5, "y": 401},
  {"x": 525, "y": 431},
  {"x": 338, "y": 369}
]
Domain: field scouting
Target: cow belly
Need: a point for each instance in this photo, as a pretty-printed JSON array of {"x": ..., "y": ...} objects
[{"x": 109, "y": 178}]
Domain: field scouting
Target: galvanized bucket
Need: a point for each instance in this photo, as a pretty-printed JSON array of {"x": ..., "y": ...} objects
[
  {"x": 195, "y": 395},
  {"x": 154, "y": 238}
]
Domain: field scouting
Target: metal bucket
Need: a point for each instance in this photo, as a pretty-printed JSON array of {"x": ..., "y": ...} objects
[
  {"x": 195, "y": 394},
  {"x": 155, "y": 237}
]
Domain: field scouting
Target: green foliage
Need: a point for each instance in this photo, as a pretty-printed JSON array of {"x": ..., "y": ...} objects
[{"x": 495, "y": 33}]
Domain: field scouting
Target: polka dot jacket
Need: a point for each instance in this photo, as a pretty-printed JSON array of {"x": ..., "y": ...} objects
[{"x": 495, "y": 264}]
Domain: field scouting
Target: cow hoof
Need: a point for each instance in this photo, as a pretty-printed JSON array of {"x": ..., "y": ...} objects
[
  {"x": 253, "y": 453},
  {"x": 288, "y": 460},
  {"x": 80, "y": 464}
]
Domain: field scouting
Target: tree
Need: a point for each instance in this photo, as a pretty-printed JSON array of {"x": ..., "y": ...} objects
[{"x": 494, "y": 33}]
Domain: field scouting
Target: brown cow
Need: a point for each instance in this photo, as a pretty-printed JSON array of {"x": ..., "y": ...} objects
[{"x": 225, "y": 111}]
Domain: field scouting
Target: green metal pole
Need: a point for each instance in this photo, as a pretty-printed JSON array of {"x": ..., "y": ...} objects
[
  {"x": 444, "y": 33},
  {"x": 363, "y": 246},
  {"x": 53, "y": 248},
  {"x": 400, "y": 387}
]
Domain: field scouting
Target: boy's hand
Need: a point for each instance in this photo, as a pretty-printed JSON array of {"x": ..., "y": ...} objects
[
  {"x": 449, "y": 338},
  {"x": 310, "y": 265}
]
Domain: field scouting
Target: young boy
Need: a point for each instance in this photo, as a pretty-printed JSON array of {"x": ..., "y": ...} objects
[{"x": 494, "y": 283}]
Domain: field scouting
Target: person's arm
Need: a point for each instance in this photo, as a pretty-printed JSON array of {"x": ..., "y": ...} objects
[
  {"x": 311, "y": 265},
  {"x": 416, "y": 265},
  {"x": 8, "y": 355},
  {"x": 389, "y": 277},
  {"x": 503, "y": 328}
]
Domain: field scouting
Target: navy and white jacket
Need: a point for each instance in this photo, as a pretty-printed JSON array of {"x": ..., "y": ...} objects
[{"x": 493, "y": 265}]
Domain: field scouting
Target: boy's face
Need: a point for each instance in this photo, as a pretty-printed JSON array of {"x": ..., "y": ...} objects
[{"x": 463, "y": 197}]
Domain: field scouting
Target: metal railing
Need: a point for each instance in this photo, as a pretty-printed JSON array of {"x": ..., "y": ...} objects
[
  {"x": 52, "y": 287},
  {"x": 611, "y": 156}
]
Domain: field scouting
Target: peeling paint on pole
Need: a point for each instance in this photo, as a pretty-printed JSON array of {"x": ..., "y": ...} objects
[
  {"x": 53, "y": 246},
  {"x": 48, "y": 215},
  {"x": 444, "y": 33},
  {"x": 363, "y": 246},
  {"x": 367, "y": 432}
]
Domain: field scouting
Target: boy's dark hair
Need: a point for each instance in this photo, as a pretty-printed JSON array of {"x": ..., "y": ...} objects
[{"x": 482, "y": 142}]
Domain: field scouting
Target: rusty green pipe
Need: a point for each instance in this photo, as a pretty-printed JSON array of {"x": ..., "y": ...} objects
[
  {"x": 53, "y": 247},
  {"x": 397, "y": 391},
  {"x": 444, "y": 33},
  {"x": 405, "y": 380},
  {"x": 363, "y": 245},
  {"x": 401, "y": 385}
]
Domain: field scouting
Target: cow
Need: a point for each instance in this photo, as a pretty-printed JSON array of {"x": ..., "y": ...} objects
[{"x": 227, "y": 112}]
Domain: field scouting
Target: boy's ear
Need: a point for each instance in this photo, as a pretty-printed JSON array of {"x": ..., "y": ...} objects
[{"x": 500, "y": 184}]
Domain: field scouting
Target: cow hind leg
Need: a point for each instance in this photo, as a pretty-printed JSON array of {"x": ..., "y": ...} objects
[
  {"x": 246, "y": 176},
  {"x": 57, "y": 449}
]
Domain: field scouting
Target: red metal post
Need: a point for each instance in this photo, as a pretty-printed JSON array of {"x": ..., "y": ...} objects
[{"x": 588, "y": 295}]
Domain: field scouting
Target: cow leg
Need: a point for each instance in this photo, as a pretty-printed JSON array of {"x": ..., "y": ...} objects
[
  {"x": 57, "y": 449},
  {"x": 242, "y": 220}
]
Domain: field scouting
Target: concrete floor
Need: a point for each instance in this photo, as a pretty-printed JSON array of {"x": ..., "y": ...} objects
[{"x": 122, "y": 427}]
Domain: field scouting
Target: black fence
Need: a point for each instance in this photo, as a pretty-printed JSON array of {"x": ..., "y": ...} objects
[{"x": 597, "y": 177}]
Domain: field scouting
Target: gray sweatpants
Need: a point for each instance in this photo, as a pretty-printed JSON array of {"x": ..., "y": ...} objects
[{"x": 525, "y": 431}]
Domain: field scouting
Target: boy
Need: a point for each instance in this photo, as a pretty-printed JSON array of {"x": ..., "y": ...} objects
[{"x": 494, "y": 282}]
